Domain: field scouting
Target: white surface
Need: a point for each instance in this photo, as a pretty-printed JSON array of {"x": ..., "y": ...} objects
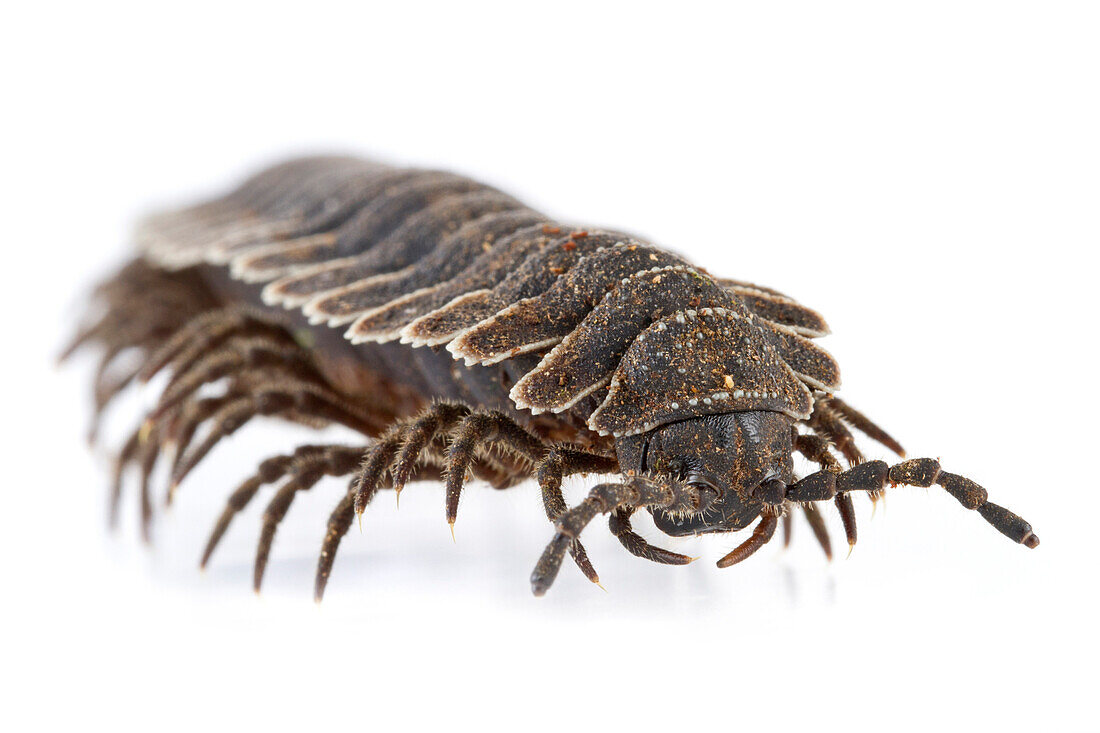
[{"x": 927, "y": 177}]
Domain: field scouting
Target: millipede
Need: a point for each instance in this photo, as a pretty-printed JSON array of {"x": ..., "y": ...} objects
[{"x": 466, "y": 336}]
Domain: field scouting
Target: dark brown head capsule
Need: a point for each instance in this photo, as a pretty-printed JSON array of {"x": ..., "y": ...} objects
[{"x": 744, "y": 457}]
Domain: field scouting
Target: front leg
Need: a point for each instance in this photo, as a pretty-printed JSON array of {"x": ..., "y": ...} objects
[
  {"x": 635, "y": 492},
  {"x": 558, "y": 463},
  {"x": 635, "y": 544}
]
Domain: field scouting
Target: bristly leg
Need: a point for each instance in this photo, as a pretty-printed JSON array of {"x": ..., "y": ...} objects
[
  {"x": 634, "y": 492},
  {"x": 462, "y": 439},
  {"x": 847, "y": 513},
  {"x": 762, "y": 535},
  {"x": 174, "y": 323},
  {"x": 246, "y": 354},
  {"x": 123, "y": 460},
  {"x": 152, "y": 440},
  {"x": 451, "y": 439},
  {"x": 480, "y": 431},
  {"x": 184, "y": 424},
  {"x": 270, "y": 471},
  {"x": 829, "y": 422},
  {"x": 372, "y": 473},
  {"x": 862, "y": 423},
  {"x": 816, "y": 448},
  {"x": 303, "y": 469},
  {"x": 198, "y": 336},
  {"x": 820, "y": 531},
  {"x": 142, "y": 307},
  {"x": 415, "y": 437},
  {"x": 332, "y": 460},
  {"x": 416, "y": 446},
  {"x": 277, "y": 397},
  {"x": 635, "y": 544},
  {"x": 838, "y": 435},
  {"x": 441, "y": 426},
  {"x": 338, "y": 524},
  {"x": 559, "y": 463}
]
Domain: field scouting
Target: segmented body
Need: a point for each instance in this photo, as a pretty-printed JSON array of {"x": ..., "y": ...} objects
[
  {"x": 338, "y": 290},
  {"x": 426, "y": 260}
]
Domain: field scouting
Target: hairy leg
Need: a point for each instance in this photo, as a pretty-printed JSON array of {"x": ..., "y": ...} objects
[
  {"x": 762, "y": 535},
  {"x": 635, "y": 544},
  {"x": 816, "y": 448},
  {"x": 402, "y": 450},
  {"x": 558, "y": 463},
  {"x": 634, "y": 492},
  {"x": 331, "y": 461}
]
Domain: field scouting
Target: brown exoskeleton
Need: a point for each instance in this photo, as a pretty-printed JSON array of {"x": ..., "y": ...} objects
[{"x": 482, "y": 339}]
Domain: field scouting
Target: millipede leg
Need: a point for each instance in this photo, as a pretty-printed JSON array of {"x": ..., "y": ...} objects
[
  {"x": 482, "y": 430},
  {"x": 249, "y": 353},
  {"x": 338, "y": 524},
  {"x": 816, "y": 448},
  {"x": 847, "y": 513},
  {"x": 185, "y": 423},
  {"x": 281, "y": 397},
  {"x": 636, "y": 492},
  {"x": 862, "y": 423},
  {"x": 150, "y": 451},
  {"x": 821, "y": 532},
  {"x": 561, "y": 462},
  {"x": 142, "y": 308},
  {"x": 373, "y": 470},
  {"x": 269, "y": 471},
  {"x": 226, "y": 421},
  {"x": 635, "y": 544},
  {"x": 762, "y": 535},
  {"x": 333, "y": 460},
  {"x": 340, "y": 521},
  {"x": 824, "y": 422},
  {"x": 329, "y": 461},
  {"x": 437, "y": 419},
  {"x": 404, "y": 444},
  {"x": 195, "y": 339},
  {"x": 273, "y": 515}
]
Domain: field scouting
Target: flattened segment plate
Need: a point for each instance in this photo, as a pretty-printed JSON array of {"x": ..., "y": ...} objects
[{"x": 696, "y": 363}]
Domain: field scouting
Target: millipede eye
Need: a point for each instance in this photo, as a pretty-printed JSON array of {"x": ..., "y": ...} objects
[{"x": 702, "y": 481}]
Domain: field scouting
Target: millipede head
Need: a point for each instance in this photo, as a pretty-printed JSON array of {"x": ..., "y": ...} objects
[{"x": 740, "y": 455}]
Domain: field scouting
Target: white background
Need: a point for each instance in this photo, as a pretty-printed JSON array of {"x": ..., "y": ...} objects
[{"x": 926, "y": 174}]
